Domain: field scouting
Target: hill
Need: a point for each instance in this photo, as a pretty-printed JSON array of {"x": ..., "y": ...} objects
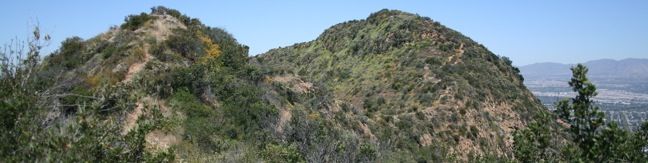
[
  {"x": 409, "y": 83},
  {"x": 165, "y": 87}
]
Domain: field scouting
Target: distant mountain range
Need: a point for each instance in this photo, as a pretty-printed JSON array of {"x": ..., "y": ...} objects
[{"x": 633, "y": 69}]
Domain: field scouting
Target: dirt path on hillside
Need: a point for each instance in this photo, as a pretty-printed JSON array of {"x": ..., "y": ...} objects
[
  {"x": 137, "y": 67},
  {"x": 284, "y": 116},
  {"x": 132, "y": 117}
]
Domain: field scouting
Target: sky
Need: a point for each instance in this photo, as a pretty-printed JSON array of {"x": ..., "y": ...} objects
[{"x": 526, "y": 31}]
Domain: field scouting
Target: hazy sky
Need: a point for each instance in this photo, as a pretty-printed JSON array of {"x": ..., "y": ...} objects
[{"x": 527, "y": 32}]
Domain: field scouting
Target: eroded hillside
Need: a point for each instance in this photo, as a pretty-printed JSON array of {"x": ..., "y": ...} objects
[
  {"x": 165, "y": 87},
  {"x": 403, "y": 82}
]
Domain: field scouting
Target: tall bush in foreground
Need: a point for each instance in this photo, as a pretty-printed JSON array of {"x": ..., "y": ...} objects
[{"x": 593, "y": 139}]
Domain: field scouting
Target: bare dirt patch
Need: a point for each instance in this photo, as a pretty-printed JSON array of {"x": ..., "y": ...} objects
[
  {"x": 162, "y": 27},
  {"x": 425, "y": 140},
  {"x": 141, "y": 108},
  {"x": 296, "y": 84},
  {"x": 137, "y": 67},
  {"x": 158, "y": 140},
  {"x": 132, "y": 117},
  {"x": 366, "y": 131},
  {"x": 284, "y": 117}
]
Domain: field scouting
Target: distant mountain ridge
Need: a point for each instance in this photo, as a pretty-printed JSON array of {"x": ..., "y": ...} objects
[{"x": 608, "y": 69}]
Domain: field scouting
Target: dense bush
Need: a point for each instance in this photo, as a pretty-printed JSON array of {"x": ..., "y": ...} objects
[
  {"x": 133, "y": 22},
  {"x": 282, "y": 154},
  {"x": 71, "y": 54},
  {"x": 175, "y": 13},
  {"x": 185, "y": 43},
  {"x": 87, "y": 135},
  {"x": 235, "y": 54}
]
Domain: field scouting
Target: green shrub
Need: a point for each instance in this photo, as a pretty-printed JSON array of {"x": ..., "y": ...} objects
[
  {"x": 282, "y": 154},
  {"x": 133, "y": 22},
  {"x": 367, "y": 153},
  {"x": 185, "y": 43},
  {"x": 200, "y": 124},
  {"x": 72, "y": 54}
]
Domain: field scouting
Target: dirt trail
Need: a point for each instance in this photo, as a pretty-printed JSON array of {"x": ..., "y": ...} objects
[
  {"x": 460, "y": 52},
  {"x": 132, "y": 117},
  {"x": 284, "y": 117},
  {"x": 297, "y": 84},
  {"x": 137, "y": 67},
  {"x": 158, "y": 140},
  {"x": 160, "y": 29}
]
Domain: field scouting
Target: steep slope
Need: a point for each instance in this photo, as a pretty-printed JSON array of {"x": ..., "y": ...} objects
[
  {"x": 160, "y": 86},
  {"x": 165, "y": 87},
  {"x": 402, "y": 82}
]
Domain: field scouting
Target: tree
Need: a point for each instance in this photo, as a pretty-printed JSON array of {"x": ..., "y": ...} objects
[
  {"x": 282, "y": 153},
  {"x": 615, "y": 147},
  {"x": 593, "y": 139},
  {"x": 581, "y": 113},
  {"x": 639, "y": 143},
  {"x": 17, "y": 96},
  {"x": 86, "y": 136},
  {"x": 535, "y": 142}
]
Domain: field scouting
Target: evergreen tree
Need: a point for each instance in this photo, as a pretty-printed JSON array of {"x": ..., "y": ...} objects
[
  {"x": 535, "y": 142},
  {"x": 583, "y": 116},
  {"x": 613, "y": 146},
  {"x": 639, "y": 144}
]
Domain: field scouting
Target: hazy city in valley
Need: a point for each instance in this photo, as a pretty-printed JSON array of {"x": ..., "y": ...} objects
[{"x": 622, "y": 87}]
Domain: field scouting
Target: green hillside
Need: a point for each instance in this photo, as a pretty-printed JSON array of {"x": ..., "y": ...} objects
[
  {"x": 163, "y": 87},
  {"x": 409, "y": 83}
]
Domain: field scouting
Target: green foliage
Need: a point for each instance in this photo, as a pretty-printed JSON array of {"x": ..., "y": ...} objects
[
  {"x": 367, "y": 153},
  {"x": 282, "y": 154},
  {"x": 378, "y": 34},
  {"x": 18, "y": 108},
  {"x": 88, "y": 128},
  {"x": 134, "y": 22},
  {"x": 639, "y": 143},
  {"x": 402, "y": 74},
  {"x": 382, "y": 89},
  {"x": 537, "y": 142},
  {"x": 516, "y": 70},
  {"x": 85, "y": 137},
  {"x": 186, "y": 20},
  {"x": 185, "y": 43},
  {"x": 90, "y": 139},
  {"x": 583, "y": 116},
  {"x": 71, "y": 54},
  {"x": 593, "y": 140},
  {"x": 614, "y": 144},
  {"x": 240, "y": 114},
  {"x": 235, "y": 54},
  {"x": 201, "y": 120}
]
